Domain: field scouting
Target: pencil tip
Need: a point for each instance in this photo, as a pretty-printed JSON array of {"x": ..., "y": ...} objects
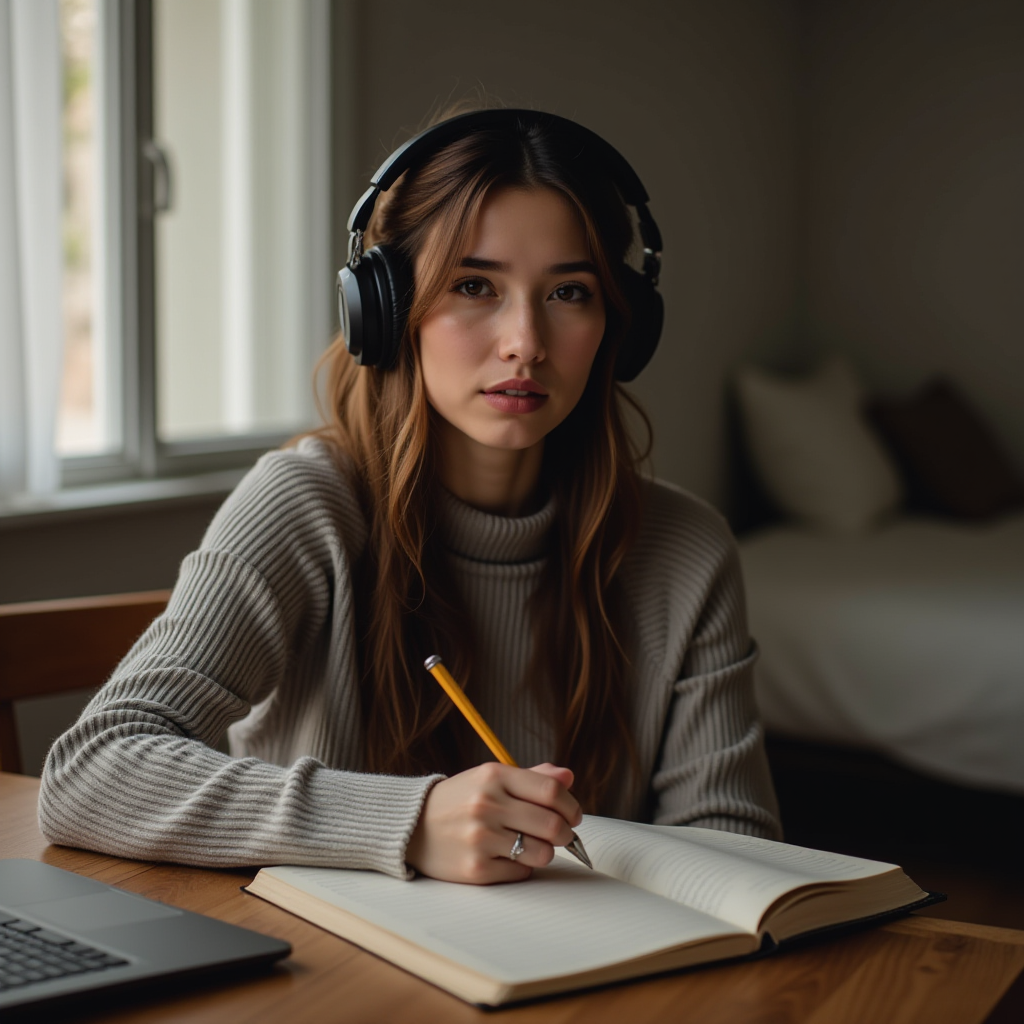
[{"x": 576, "y": 849}]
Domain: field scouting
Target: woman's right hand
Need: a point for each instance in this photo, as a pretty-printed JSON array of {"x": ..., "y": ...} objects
[{"x": 469, "y": 823}]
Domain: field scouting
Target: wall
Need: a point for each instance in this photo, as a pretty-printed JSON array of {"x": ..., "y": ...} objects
[
  {"x": 914, "y": 245},
  {"x": 699, "y": 98}
]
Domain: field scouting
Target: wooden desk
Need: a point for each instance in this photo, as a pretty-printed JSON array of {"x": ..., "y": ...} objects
[{"x": 917, "y": 969}]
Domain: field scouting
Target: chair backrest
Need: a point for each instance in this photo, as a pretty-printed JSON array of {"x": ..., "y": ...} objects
[{"x": 51, "y": 647}]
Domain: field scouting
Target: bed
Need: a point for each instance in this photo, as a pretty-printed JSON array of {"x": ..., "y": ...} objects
[
  {"x": 906, "y": 640},
  {"x": 886, "y": 589}
]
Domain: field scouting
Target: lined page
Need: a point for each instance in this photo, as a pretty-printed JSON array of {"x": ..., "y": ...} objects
[
  {"x": 565, "y": 919},
  {"x": 728, "y": 876}
]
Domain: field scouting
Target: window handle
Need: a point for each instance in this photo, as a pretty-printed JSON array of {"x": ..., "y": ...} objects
[{"x": 162, "y": 193}]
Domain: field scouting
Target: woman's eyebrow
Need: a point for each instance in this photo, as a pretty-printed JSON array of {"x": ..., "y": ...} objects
[
  {"x": 476, "y": 263},
  {"x": 577, "y": 267},
  {"x": 574, "y": 267}
]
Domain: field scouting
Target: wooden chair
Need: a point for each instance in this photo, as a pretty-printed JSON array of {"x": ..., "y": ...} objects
[{"x": 52, "y": 647}]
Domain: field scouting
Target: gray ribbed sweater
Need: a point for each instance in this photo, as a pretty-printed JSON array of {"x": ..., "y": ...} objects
[{"x": 259, "y": 636}]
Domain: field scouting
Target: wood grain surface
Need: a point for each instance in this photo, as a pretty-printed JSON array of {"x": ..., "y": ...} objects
[{"x": 914, "y": 970}]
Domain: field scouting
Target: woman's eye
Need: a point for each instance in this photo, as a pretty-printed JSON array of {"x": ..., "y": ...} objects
[
  {"x": 572, "y": 293},
  {"x": 474, "y": 287}
]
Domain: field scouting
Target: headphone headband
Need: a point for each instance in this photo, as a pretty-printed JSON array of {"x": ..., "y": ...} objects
[{"x": 440, "y": 135}]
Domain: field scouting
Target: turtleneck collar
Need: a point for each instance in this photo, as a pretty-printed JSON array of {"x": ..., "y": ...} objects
[{"x": 484, "y": 537}]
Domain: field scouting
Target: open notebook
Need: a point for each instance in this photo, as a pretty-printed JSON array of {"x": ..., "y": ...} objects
[{"x": 661, "y": 897}]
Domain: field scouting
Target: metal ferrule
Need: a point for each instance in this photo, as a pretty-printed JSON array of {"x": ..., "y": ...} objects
[{"x": 355, "y": 249}]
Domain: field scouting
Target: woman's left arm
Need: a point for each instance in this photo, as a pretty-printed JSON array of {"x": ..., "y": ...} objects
[{"x": 711, "y": 770}]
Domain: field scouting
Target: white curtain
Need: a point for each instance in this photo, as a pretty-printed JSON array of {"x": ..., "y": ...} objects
[{"x": 31, "y": 264}]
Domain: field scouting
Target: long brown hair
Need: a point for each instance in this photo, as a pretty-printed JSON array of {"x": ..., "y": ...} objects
[{"x": 380, "y": 423}]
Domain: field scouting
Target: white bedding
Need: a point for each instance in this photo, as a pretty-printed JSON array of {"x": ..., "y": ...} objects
[{"x": 908, "y": 640}]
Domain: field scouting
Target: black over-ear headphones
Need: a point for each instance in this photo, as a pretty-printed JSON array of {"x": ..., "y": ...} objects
[{"x": 375, "y": 287}]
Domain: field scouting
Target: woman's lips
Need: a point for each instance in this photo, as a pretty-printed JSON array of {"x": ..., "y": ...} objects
[
  {"x": 516, "y": 396},
  {"x": 522, "y": 402}
]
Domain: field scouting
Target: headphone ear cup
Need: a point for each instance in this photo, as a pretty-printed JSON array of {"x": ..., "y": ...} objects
[
  {"x": 394, "y": 282},
  {"x": 374, "y": 299},
  {"x": 647, "y": 316},
  {"x": 358, "y": 310}
]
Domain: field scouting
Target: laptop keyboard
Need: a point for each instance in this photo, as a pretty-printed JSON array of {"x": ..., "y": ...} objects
[{"x": 29, "y": 954}]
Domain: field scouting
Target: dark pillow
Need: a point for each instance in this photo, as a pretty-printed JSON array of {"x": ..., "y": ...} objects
[{"x": 952, "y": 461}]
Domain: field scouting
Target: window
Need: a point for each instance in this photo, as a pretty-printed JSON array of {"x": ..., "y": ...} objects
[{"x": 198, "y": 286}]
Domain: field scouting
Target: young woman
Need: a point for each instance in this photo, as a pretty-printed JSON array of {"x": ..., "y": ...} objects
[{"x": 474, "y": 495}]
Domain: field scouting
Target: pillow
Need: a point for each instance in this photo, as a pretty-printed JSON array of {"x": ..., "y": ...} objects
[
  {"x": 814, "y": 450},
  {"x": 952, "y": 461}
]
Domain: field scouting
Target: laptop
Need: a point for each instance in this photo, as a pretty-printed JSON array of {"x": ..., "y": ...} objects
[{"x": 64, "y": 937}]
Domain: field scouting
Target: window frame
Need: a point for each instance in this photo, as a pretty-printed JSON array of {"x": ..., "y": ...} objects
[{"x": 129, "y": 184}]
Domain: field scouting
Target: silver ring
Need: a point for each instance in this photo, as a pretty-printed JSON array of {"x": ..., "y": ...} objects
[{"x": 518, "y": 847}]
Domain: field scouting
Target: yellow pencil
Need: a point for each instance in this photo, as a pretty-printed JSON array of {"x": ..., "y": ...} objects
[{"x": 435, "y": 667}]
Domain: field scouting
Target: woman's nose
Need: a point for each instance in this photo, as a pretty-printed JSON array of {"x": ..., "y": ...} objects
[{"x": 522, "y": 335}]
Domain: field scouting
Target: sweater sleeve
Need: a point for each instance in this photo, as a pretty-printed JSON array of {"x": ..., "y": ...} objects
[
  {"x": 139, "y": 776},
  {"x": 712, "y": 770}
]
